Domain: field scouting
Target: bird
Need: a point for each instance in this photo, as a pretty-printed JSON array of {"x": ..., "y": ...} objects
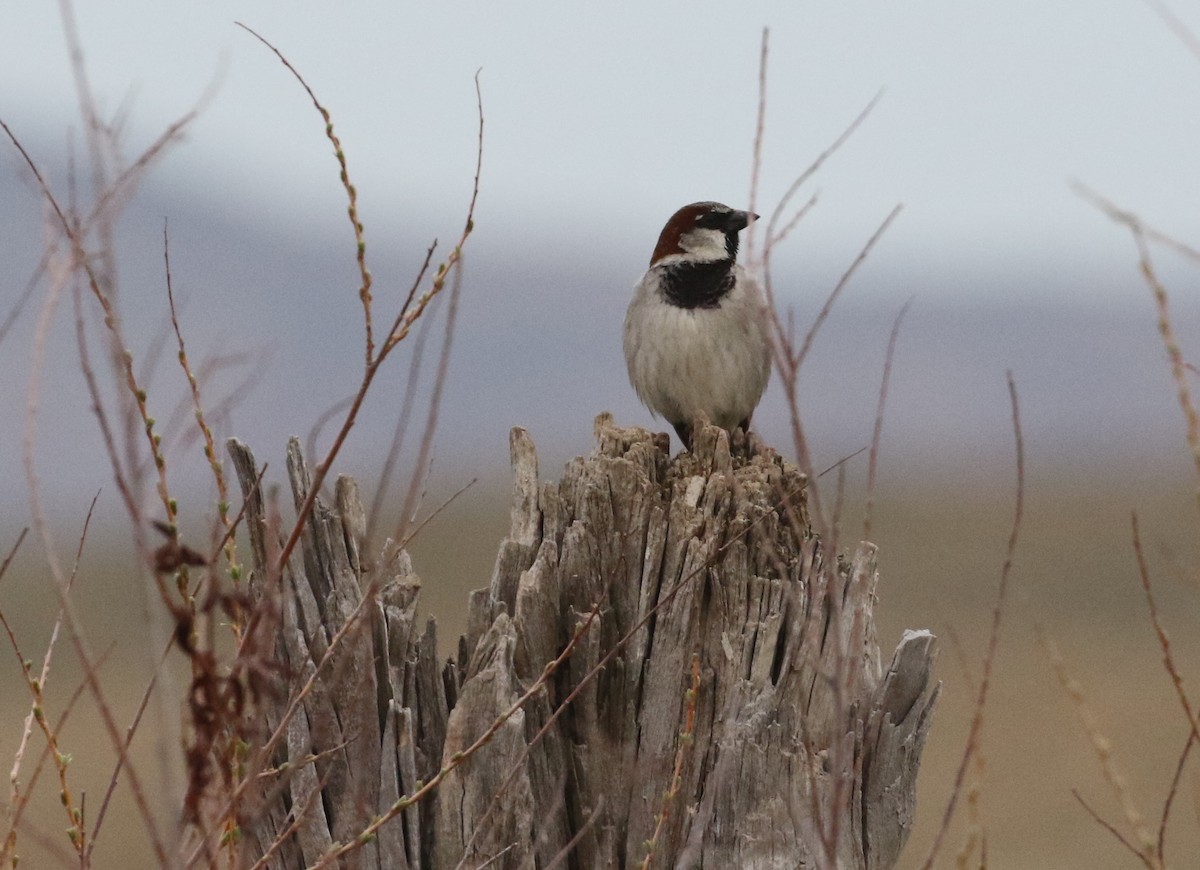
[{"x": 695, "y": 335}]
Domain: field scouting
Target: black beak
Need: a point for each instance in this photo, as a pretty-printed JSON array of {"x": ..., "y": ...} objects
[{"x": 739, "y": 220}]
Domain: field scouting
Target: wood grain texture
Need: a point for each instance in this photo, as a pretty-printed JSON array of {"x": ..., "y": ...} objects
[{"x": 802, "y": 736}]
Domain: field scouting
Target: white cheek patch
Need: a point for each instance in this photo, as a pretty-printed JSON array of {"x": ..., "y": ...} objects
[{"x": 704, "y": 244}]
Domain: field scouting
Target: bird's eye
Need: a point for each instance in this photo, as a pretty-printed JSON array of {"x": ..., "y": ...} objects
[{"x": 712, "y": 220}]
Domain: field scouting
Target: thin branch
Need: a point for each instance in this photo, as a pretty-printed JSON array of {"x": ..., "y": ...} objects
[
  {"x": 1132, "y": 221},
  {"x": 1164, "y": 642},
  {"x": 210, "y": 450},
  {"x": 564, "y": 853},
  {"x": 1108, "y": 827},
  {"x": 59, "y": 723},
  {"x": 1174, "y": 353},
  {"x": 1101, "y": 744},
  {"x": 328, "y": 415},
  {"x": 408, "y": 538},
  {"x": 994, "y": 639},
  {"x": 844, "y": 460},
  {"x": 411, "y": 500},
  {"x": 685, "y": 742},
  {"x": 364, "y": 290},
  {"x": 399, "y": 332},
  {"x": 23, "y": 298},
  {"x": 61, "y": 584},
  {"x": 400, "y": 432},
  {"x": 1170, "y": 799},
  {"x": 759, "y": 130},
  {"x": 811, "y": 335},
  {"x": 808, "y": 173},
  {"x": 124, "y": 755},
  {"x": 12, "y": 552},
  {"x": 877, "y": 434},
  {"x": 1175, "y": 23}
]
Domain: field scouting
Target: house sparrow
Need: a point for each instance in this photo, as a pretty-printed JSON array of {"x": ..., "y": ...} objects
[{"x": 695, "y": 332}]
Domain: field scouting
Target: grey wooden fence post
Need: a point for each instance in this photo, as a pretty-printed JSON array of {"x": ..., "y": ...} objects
[{"x": 801, "y": 736}]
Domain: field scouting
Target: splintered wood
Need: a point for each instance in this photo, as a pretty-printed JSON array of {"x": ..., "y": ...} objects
[{"x": 803, "y": 748}]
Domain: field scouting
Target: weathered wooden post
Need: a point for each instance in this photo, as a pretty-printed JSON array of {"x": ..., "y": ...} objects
[{"x": 730, "y": 706}]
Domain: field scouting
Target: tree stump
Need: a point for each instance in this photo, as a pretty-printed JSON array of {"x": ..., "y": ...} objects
[{"x": 741, "y": 716}]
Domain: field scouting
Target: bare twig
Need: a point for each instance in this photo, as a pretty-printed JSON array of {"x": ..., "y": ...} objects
[
  {"x": 412, "y": 380},
  {"x": 759, "y": 128},
  {"x": 327, "y": 416},
  {"x": 12, "y": 552},
  {"x": 364, "y": 290},
  {"x": 1172, "y": 791},
  {"x": 123, "y": 757},
  {"x": 1108, "y": 827},
  {"x": 811, "y": 335},
  {"x": 1174, "y": 353},
  {"x": 210, "y": 451},
  {"x": 844, "y": 460},
  {"x": 1164, "y": 642},
  {"x": 23, "y": 298},
  {"x": 416, "y": 530},
  {"x": 400, "y": 329},
  {"x": 411, "y": 500},
  {"x": 877, "y": 434},
  {"x": 565, "y": 852},
  {"x": 788, "y": 361},
  {"x": 773, "y": 236},
  {"x": 685, "y": 742},
  {"x": 1175, "y": 23},
  {"x": 1101, "y": 745},
  {"x": 1131, "y": 220},
  {"x": 989, "y": 658},
  {"x": 41, "y": 525}
]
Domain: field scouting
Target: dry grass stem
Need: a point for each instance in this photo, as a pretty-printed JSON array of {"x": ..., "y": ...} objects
[
  {"x": 877, "y": 433},
  {"x": 1117, "y": 834},
  {"x": 1175, "y": 23},
  {"x": 760, "y": 124},
  {"x": 1102, "y": 746},
  {"x": 1164, "y": 642},
  {"x": 412, "y": 499},
  {"x": 989, "y": 659},
  {"x": 210, "y": 451},
  {"x": 364, "y": 290},
  {"x": 685, "y": 734},
  {"x": 399, "y": 331}
]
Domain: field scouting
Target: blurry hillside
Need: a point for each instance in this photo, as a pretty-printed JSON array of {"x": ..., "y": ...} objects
[
  {"x": 538, "y": 338},
  {"x": 537, "y": 345}
]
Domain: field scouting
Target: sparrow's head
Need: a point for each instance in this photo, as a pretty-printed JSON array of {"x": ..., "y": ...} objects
[{"x": 701, "y": 232}]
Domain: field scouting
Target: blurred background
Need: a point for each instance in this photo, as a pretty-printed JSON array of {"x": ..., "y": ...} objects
[{"x": 599, "y": 124}]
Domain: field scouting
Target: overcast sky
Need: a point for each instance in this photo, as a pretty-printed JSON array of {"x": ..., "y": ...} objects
[
  {"x": 601, "y": 120},
  {"x": 608, "y": 116}
]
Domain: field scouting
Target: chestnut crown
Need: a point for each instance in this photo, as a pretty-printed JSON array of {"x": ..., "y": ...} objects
[{"x": 702, "y": 232}]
